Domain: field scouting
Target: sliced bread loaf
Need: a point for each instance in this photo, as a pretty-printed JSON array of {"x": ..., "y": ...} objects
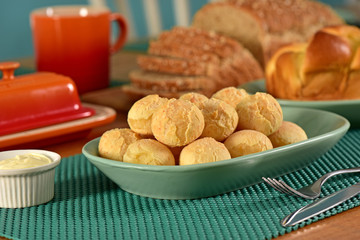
[{"x": 186, "y": 59}]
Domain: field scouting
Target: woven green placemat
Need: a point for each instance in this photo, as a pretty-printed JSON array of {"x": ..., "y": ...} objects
[{"x": 87, "y": 205}]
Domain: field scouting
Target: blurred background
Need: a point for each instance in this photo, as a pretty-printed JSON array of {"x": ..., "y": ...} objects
[{"x": 146, "y": 18}]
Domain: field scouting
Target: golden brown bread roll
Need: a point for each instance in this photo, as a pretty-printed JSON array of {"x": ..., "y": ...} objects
[
  {"x": 230, "y": 95},
  {"x": 140, "y": 114},
  {"x": 114, "y": 143},
  {"x": 327, "y": 67},
  {"x": 203, "y": 150},
  {"x": 288, "y": 133},
  {"x": 260, "y": 112},
  {"x": 221, "y": 119},
  {"x": 196, "y": 98},
  {"x": 177, "y": 123},
  {"x": 149, "y": 152},
  {"x": 246, "y": 142}
]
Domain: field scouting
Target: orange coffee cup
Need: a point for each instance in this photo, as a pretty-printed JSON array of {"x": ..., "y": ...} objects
[{"x": 76, "y": 41}]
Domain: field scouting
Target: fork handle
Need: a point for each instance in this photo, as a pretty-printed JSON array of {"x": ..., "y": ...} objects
[{"x": 337, "y": 172}]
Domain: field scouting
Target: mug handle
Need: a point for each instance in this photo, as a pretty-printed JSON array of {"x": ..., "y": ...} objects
[{"x": 123, "y": 27}]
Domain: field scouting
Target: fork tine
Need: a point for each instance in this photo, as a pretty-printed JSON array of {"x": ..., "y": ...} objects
[
  {"x": 273, "y": 183},
  {"x": 291, "y": 190},
  {"x": 280, "y": 187},
  {"x": 269, "y": 182}
]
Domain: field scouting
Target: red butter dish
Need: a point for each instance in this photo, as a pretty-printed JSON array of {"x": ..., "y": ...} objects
[{"x": 37, "y": 100}]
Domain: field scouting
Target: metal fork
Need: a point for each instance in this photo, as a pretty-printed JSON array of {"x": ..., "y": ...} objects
[{"x": 311, "y": 191}]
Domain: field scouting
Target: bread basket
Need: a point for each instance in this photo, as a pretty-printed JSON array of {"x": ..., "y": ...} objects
[{"x": 37, "y": 100}]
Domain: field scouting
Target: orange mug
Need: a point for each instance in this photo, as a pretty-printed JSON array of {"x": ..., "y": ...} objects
[{"x": 76, "y": 41}]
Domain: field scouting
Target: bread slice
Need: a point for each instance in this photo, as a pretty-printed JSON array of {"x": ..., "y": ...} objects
[
  {"x": 201, "y": 39},
  {"x": 179, "y": 50},
  {"x": 170, "y": 83},
  {"x": 180, "y": 66},
  {"x": 263, "y": 26}
]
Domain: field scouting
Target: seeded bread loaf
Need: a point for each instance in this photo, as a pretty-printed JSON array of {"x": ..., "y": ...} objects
[
  {"x": 189, "y": 59},
  {"x": 223, "y": 59},
  {"x": 263, "y": 26}
]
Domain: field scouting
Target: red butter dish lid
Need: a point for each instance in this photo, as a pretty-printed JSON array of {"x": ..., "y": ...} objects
[{"x": 37, "y": 100}]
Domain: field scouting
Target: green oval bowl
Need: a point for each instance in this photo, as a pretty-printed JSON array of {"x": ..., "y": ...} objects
[
  {"x": 346, "y": 108},
  {"x": 324, "y": 129}
]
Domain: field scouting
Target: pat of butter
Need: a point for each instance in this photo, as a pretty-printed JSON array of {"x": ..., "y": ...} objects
[{"x": 25, "y": 161}]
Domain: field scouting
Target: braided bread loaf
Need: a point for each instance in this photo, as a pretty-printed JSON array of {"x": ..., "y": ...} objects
[{"x": 327, "y": 67}]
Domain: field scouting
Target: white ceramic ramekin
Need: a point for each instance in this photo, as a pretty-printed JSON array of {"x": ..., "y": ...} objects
[{"x": 27, "y": 187}]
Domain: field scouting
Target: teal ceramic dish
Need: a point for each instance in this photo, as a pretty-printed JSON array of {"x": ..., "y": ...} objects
[
  {"x": 346, "y": 108},
  {"x": 324, "y": 129}
]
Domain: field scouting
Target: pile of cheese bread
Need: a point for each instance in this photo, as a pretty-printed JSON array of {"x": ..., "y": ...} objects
[{"x": 194, "y": 129}]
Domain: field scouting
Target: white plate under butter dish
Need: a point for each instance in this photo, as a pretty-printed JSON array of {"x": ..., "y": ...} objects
[
  {"x": 323, "y": 128},
  {"x": 346, "y": 108}
]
